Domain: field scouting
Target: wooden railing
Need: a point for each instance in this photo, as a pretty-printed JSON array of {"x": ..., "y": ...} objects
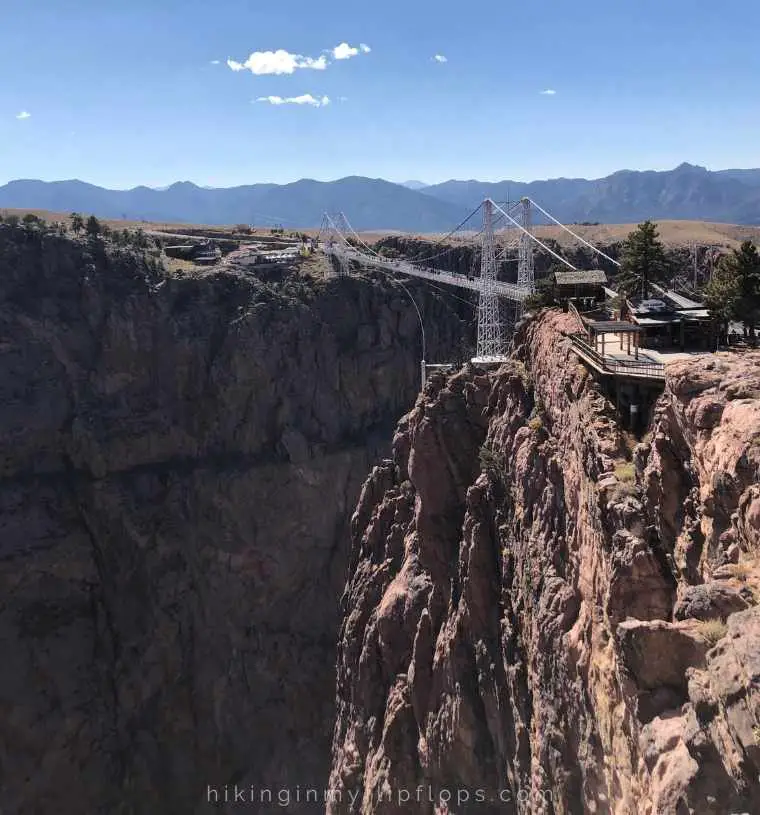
[{"x": 619, "y": 367}]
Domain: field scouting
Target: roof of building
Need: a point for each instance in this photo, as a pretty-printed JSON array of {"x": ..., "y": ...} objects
[
  {"x": 667, "y": 302},
  {"x": 580, "y": 276},
  {"x": 681, "y": 301},
  {"x": 612, "y": 326},
  {"x": 677, "y": 317}
]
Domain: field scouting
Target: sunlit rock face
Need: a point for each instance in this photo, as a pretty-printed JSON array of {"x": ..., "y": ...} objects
[{"x": 541, "y": 617}]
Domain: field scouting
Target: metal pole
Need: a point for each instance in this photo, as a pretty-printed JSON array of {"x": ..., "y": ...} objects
[{"x": 419, "y": 317}]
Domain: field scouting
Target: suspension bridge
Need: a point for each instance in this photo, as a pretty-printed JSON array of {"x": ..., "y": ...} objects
[{"x": 339, "y": 240}]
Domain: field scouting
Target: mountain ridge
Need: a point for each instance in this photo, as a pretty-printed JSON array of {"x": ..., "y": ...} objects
[{"x": 687, "y": 192}]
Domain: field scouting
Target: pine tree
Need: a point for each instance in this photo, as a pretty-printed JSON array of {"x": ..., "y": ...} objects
[
  {"x": 93, "y": 226},
  {"x": 77, "y": 222},
  {"x": 643, "y": 261},
  {"x": 734, "y": 291},
  {"x": 722, "y": 295}
]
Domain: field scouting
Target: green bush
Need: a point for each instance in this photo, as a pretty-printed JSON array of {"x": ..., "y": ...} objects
[
  {"x": 712, "y": 631},
  {"x": 625, "y": 472}
]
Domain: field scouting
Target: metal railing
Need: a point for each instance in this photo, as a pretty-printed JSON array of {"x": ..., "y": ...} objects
[
  {"x": 509, "y": 290},
  {"x": 619, "y": 367},
  {"x": 574, "y": 311}
]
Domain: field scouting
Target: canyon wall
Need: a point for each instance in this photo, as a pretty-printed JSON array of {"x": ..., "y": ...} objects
[
  {"x": 179, "y": 460},
  {"x": 545, "y": 616}
]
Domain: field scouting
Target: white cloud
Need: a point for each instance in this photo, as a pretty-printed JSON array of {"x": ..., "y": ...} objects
[
  {"x": 278, "y": 62},
  {"x": 264, "y": 63},
  {"x": 214, "y": 61},
  {"x": 440, "y": 58},
  {"x": 23, "y": 115},
  {"x": 549, "y": 92},
  {"x": 304, "y": 99},
  {"x": 346, "y": 51}
]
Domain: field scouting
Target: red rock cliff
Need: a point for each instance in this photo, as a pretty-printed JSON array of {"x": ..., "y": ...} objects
[{"x": 540, "y": 619}]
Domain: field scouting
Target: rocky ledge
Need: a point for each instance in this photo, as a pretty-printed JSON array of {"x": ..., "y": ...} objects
[{"x": 543, "y": 616}]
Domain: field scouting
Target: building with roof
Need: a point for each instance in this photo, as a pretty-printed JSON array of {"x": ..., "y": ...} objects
[
  {"x": 583, "y": 287},
  {"x": 672, "y": 321}
]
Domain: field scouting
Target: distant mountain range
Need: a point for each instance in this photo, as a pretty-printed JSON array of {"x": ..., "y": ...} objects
[{"x": 688, "y": 192}]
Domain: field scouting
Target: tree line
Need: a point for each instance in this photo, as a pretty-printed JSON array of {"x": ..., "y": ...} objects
[{"x": 91, "y": 227}]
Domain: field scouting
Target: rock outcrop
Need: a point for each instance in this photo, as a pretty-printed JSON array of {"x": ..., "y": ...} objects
[
  {"x": 179, "y": 460},
  {"x": 542, "y": 618}
]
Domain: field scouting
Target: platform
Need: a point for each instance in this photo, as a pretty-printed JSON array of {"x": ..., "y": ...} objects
[{"x": 490, "y": 361}]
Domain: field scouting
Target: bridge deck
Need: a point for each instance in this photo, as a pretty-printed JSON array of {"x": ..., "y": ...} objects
[{"x": 509, "y": 290}]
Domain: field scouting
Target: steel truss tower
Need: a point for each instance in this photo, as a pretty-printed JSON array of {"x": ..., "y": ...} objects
[
  {"x": 330, "y": 233},
  {"x": 492, "y": 344},
  {"x": 525, "y": 267}
]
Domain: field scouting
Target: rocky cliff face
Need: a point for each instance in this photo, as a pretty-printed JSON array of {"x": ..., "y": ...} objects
[
  {"x": 541, "y": 617},
  {"x": 179, "y": 459}
]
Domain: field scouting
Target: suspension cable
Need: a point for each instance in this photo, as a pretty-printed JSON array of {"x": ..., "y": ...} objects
[
  {"x": 577, "y": 237},
  {"x": 535, "y": 239},
  {"x": 416, "y": 260},
  {"x": 446, "y": 237}
]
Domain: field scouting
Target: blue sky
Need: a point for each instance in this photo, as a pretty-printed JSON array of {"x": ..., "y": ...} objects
[{"x": 125, "y": 93}]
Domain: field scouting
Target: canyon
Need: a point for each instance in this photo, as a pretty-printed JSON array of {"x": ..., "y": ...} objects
[
  {"x": 180, "y": 458},
  {"x": 239, "y": 547}
]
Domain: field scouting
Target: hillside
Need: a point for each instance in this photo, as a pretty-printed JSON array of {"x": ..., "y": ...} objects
[
  {"x": 676, "y": 234},
  {"x": 686, "y": 193}
]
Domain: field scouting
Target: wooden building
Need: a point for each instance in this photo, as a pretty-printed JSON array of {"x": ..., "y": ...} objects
[
  {"x": 672, "y": 322},
  {"x": 585, "y": 288}
]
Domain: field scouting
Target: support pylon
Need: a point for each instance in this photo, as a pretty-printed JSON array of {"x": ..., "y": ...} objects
[
  {"x": 525, "y": 266},
  {"x": 491, "y": 340},
  {"x": 331, "y": 236}
]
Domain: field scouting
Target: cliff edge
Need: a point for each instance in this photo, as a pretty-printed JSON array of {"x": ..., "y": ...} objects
[
  {"x": 545, "y": 616},
  {"x": 179, "y": 460}
]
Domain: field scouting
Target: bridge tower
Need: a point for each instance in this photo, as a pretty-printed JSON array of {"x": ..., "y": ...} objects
[
  {"x": 525, "y": 266},
  {"x": 330, "y": 236},
  {"x": 492, "y": 344}
]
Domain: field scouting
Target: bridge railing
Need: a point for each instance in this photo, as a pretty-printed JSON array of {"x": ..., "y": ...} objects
[
  {"x": 618, "y": 367},
  {"x": 399, "y": 266},
  {"x": 574, "y": 311}
]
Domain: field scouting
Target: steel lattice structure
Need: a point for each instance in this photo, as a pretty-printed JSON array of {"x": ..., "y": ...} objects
[
  {"x": 496, "y": 297},
  {"x": 525, "y": 267},
  {"x": 491, "y": 330}
]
